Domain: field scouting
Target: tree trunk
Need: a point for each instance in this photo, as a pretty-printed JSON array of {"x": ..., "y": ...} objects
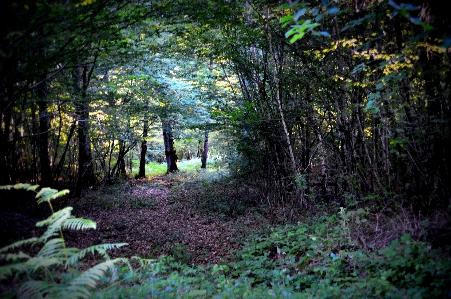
[
  {"x": 169, "y": 151},
  {"x": 205, "y": 152},
  {"x": 5, "y": 143},
  {"x": 59, "y": 166},
  {"x": 121, "y": 159},
  {"x": 44, "y": 127},
  {"x": 278, "y": 98},
  {"x": 142, "y": 161},
  {"x": 86, "y": 176}
]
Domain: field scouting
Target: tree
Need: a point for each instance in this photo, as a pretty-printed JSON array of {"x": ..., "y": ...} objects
[
  {"x": 204, "y": 155},
  {"x": 142, "y": 159},
  {"x": 169, "y": 150},
  {"x": 46, "y": 42}
]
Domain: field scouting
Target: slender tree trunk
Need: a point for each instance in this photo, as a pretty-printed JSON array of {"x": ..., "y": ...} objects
[
  {"x": 279, "y": 100},
  {"x": 200, "y": 149},
  {"x": 120, "y": 167},
  {"x": 86, "y": 176},
  {"x": 44, "y": 127},
  {"x": 205, "y": 152},
  {"x": 5, "y": 131},
  {"x": 34, "y": 144},
  {"x": 142, "y": 161},
  {"x": 60, "y": 164},
  {"x": 121, "y": 159},
  {"x": 85, "y": 169},
  {"x": 171, "y": 156}
]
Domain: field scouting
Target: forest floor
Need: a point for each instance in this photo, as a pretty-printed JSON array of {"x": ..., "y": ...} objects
[
  {"x": 208, "y": 224},
  {"x": 191, "y": 216},
  {"x": 197, "y": 216},
  {"x": 165, "y": 215}
]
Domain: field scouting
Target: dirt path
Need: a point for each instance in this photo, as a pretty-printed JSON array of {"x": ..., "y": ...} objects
[{"x": 162, "y": 216}]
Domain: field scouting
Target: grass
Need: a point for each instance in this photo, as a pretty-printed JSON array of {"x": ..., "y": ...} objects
[
  {"x": 152, "y": 168},
  {"x": 187, "y": 166}
]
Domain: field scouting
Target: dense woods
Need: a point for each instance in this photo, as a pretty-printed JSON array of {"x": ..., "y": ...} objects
[
  {"x": 310, "y": 106},
  {"x": 359, "y": 105}
]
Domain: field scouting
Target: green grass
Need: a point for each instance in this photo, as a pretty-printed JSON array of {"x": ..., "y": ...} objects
[
  {"x": 152, "y": 168},
  {"x": 159, "y": 169}
]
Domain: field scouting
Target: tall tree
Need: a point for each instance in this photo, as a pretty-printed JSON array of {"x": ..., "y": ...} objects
[
  {"x": 169, "y": 150},
  {"x": 204, "y": 155},
  {"x": 142, "y": 159}
]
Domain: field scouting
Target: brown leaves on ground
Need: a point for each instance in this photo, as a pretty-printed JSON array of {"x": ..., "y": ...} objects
[{"x": 166, "y": 216}]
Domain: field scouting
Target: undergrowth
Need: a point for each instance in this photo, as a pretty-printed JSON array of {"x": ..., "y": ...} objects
[
  {"x": 45, "y": 267},
  {"x": 319, "y": 258},
  {"x": 316, "y": 260}
]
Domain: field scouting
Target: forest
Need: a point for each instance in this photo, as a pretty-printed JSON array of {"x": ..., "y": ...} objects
[{"x": 225, "y": 149}]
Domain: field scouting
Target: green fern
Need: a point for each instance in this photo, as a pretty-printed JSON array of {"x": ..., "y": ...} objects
[
  {"x": 48, "y": 194},
  {"x": 52, "y": 248},
  {"x": 20, "y": 186},
  {"x": 38, "y": 262},
  {"x": 92, "y": 275},
  {"x": 10, "y": 269},
  {"x": 78, "y": 224},
  {"x": 35, "y": 289},
  {"x": 18, "y": 244},
  {"x": 46, "y": 272},
  {"x": 101, "y": 249},
  {"x": 54, "y": 222}
]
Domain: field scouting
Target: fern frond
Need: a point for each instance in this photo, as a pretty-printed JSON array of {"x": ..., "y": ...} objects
[
  {"x": 32, "y": 188},
  {"x": 18, "y": 244},
  {"x": 52, "y": 248},
  {"x": 55, "y": 221},
  {"x": 35, "y": 289},
  {"x": 67, "y": 252},
  {"x": 45, "y": 194},
  {"x": 59, "y": 194},
  {"x": 90, "y": 277},
  {"x": 143, "y": 262},
  {"x": 48, "y": 194},
  {"x": 27, "y": 187},
  {"x": 79, "y": 224},
  {"x": 101, "y": 248},
  {"x": 8, "y": 270},
  {"x": 77, "y": 293},
  {"x": 6, "y": 187},
  {"x": 14, "y": 257},
  {"x": 38, "y": 262},
  {"x": 55, "y": 216}
]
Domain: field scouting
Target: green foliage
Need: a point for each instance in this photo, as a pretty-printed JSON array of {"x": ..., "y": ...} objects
[
  {"x": 49, "y": 272},
  {"x": 300, "y": 26},
  {"x": 48, "y": 194},
  {"x": 316, "y": 260}
]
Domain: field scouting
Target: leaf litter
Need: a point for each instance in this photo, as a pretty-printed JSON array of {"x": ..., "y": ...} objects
[{"x": 166, "y": 215}]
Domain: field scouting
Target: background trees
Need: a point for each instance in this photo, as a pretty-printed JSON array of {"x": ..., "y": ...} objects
[
  {"x": 349, "y": 109},
  {"x": 324, "y": 100},
  {"x": 49, "y": 55}
]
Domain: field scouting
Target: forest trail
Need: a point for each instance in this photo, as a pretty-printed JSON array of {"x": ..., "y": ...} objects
[{"x": 165, "y": 215}]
